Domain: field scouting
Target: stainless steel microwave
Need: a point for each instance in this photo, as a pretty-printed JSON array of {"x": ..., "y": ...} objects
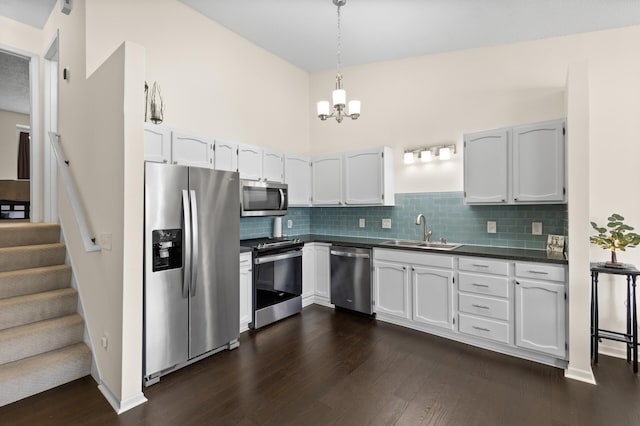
[{"x": 259, "y": 198}]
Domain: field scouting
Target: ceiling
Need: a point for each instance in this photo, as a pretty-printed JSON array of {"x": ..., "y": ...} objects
[
  {"x": 304, "y": 32},
  {"x": 30, "y": 12},
  {"x": 14, "y": 83}
]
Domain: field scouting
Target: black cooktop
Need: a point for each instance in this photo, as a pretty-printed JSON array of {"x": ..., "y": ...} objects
[{"x": 271, "y": 244}]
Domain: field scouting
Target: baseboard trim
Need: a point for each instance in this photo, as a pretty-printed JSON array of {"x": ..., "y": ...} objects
[
  {"x": 118, "y": 405},
  {"x": 585, "y": 376},
  {"x": 612, "y": 351}
]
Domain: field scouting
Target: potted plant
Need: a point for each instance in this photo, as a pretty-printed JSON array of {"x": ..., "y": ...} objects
[{"x": 617, "y": 237}]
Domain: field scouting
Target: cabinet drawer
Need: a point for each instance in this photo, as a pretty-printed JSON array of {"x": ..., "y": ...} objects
[
  {"x": 484, "y": 306},
  {"x": 484, "y": 284},
  {"x": 481, "y": 327},
  {"x": 475, "y": 264},
  {"x": 540, "y": 271},
  {"x": 414, "y": 258}
]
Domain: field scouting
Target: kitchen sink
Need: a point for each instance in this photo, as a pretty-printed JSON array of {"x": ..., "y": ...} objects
[{"x": 421, "y": 244}]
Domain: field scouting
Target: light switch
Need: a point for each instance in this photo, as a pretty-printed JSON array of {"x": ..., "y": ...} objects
[
  {"x": 491, "y": 227},
  {"x": 289, "y": 224},
  {"x": 536, "y": 228},
  {"x": 361, "y": 222},
  {"x": 386, "y": 223}
]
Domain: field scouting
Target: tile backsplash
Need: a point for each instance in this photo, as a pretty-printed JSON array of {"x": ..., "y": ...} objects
[{"x": 445, "y": 212}]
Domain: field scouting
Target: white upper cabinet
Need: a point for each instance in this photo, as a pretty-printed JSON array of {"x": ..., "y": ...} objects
[
  {"x": 297, "y": 174},
  {"x": 368, "y": 177},
  {"x": 538, "y": 162},
  {"x": 189, "y": 150},
  {"x": 272, "y": 165},
  {"x": 519, "y": 165},
  {"x": 157, "y": 143},
  {"x": 485, "y": 167},
  {"x": 250, "y": 162},
  {"x": 327, "y": 180},
  {"x": 226, "y": 156}
]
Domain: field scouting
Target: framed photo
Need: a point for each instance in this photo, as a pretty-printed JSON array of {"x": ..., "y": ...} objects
[{"x": 555, "y": 243}]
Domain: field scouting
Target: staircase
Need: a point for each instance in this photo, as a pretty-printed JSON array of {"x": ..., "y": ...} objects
[{"x": 41, "y": 332}]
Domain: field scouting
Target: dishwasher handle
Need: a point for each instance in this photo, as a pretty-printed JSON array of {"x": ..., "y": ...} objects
[{"x": 350, "y": 254}]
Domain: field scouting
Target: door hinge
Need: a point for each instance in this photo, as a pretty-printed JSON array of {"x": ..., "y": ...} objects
[
  {"x": 454, "y": 320},
  {"x": 465, "y": 144},
  {"x": 382, "y": 196},
  {"x": 566, "y": 346},
  {"x": 564, "y": 190},
  {"x": 382, "y": 154},
  {"x": 237, "y": 151},
  {"x": 565, "y": 295},
  {"x": 563, "y": 131},
  {"x": 454, "y": 280},
  {"x": 213, "y": 147},
  {"x": 465, "y": 194}
]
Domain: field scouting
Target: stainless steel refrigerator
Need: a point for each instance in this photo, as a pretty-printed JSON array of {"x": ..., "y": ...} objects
[{"x": 192, "y": 244}]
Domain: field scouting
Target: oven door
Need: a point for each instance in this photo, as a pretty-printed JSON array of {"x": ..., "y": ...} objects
[
  {"x": 263, "y": 198},
  {"x": 279, "y": 272}
]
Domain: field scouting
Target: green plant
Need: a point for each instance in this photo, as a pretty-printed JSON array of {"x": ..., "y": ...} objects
[{"x": 617, "y": 237}]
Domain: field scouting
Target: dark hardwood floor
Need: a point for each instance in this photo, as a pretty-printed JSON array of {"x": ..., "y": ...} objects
[{"x": 326, "y": 367}]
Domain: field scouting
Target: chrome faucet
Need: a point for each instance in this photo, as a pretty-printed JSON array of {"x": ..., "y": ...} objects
[{"x": 427, "y": 234}]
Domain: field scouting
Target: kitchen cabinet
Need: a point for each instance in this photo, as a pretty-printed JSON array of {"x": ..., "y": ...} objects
[
  {"x": 316, "y": 274},
  {"x": 226, "y": 156},
  {"x": 368, "y": 177},
  {"x": 308, "y": 274},
  {"x": 246, "y": 290},
  {"x": 157, "y": 143},
  {"x": 392, "y": 289},
  {"x": 250, "y": 162},
  {"x": 538, "y": 162},
  {"x": 327, "y": 180},
  {"x": 540, "y": 309},
  {"x": 432, "y": 296},
  {"x": 190, "y": 150},
  {"x": 272, "y": 165},
  {"x": 297, "y": 174},
  {"x": 517, "y": 165}
]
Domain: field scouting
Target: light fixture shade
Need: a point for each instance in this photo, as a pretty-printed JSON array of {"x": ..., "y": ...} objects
[
  {"x": 354, "y": 107},
  {"x": 425, "y": 155},
  {"x": 444, "y": 153},
  {"x": 408, "y": 157},
  {"x": 323, "y": 108},
  {"x": 339, "y": 97}
]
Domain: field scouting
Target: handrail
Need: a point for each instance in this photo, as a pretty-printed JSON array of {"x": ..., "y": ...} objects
[{"x": 63, "y": 165}]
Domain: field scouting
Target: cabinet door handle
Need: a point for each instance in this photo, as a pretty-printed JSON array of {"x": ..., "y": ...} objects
[
  {"x": 480, "y": 266},
  {"x": 538, "y": 272},
  {"x": 481, "y": 328},
  {"x": 479, "y": 306},
  {"x": 404, "y": 268},
  {"x": 480, "y": 285}
]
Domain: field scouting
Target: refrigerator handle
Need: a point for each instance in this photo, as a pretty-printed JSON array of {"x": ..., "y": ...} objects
[
  {"x": 195, "y": 252},
  {"x": 186, "y": 273}
]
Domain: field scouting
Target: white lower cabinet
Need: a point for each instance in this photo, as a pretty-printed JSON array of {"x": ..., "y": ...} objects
[
  {"x": 308, "y": 274},
  {"x": 392, "y": 295},
  {"x": 432, "y": 296},
  {"x": 316, "y": 274},
  {"x": 246, "y": 290}
]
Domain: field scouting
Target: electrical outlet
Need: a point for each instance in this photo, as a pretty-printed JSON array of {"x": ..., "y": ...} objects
[
  {"x": 386, "y": 223},
  {"x": 361, "y": 222},
  {"x": 536, "y": 228},
  {"x": 491, "y": 227},
  {"x": 289, "y": 224},
  {"x": 105, "y": 241}
]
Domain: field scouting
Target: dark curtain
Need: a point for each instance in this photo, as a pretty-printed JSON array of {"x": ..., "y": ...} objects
[{"x": 24, "y": 170}]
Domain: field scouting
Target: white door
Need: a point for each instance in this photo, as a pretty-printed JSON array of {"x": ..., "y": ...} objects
[
  {"x": 540, "y": 317},
  {"x": 297, "y": 174},
  {"x": 327, "y": 180},
  {"x": 538, "y": 162},
  {"x": 392, "y": 289},
  {"x": 250, "y": 162},
  {"x": 50, "y": 163},
  {"x": 323, "y": 271},
  {"x": 272, "y": 165},
  {"x": 486, "y": 167},
  {"x": 226, "y": 156},
  {"x": 363, "y": 177},
  {"x": 157, "y": 143},
  {"x": 432, "y": 296},
  {"x": 246, "y": 291},
  {"x": 189, "y": 150}
]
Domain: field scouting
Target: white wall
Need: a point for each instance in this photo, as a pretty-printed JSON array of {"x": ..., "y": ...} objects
[{"x": 9, "y": 143}]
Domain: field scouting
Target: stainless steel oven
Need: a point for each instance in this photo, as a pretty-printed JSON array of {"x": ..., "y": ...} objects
[
  {"x": 277, "y": 279},
  {"x": 263, "y": 198}
]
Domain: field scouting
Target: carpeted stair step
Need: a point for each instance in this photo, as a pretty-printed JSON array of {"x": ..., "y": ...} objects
[
  {"x": 35, "y": 256},
  {"x": 21, "y": 310},
  {"x": 39, "y": 337},
  {"x": 25, "y": 234},
  {"x": 34, "y": 280},
  {"x": 41, "y": 372}
]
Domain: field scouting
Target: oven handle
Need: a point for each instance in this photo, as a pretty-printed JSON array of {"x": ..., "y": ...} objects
[
  {"x": 275, "y": 257},
  {"x": 349, "y": 254}
]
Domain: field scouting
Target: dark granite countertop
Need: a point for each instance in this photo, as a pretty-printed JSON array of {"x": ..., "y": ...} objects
[
  {"x": 245, "y": 249},
  {"x": 464, "y": 250}
]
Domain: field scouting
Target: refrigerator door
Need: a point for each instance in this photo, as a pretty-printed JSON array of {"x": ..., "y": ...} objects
[
  {"x": 214, "y": 299},
  {"x": 166, "y": 306}
]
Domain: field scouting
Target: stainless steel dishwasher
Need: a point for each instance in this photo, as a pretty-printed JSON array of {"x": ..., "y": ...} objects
[{"x": 351, "y": 279}]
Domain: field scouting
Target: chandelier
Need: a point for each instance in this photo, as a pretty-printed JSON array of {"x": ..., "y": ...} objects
[{"x": 339, "y": 94}]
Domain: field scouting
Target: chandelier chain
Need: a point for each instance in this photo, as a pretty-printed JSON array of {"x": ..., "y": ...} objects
[{"x": 339, "y": 44}]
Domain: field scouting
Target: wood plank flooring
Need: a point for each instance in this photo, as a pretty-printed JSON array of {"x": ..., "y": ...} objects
[{"x": 330, "y": 367}]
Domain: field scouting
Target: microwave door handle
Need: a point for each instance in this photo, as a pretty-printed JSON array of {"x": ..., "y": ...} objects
[
  {"x": 186, "y": 271},
  {"x": 282, "y": 199},
  {"x": 195, "y": 237}
]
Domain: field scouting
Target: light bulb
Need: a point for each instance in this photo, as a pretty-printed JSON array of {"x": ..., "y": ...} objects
[
  {"x": 323, "y": 108},
  {"x": 408, "y": 157},
  {"x": 444, "y": 153},
  {"x": 354, "y": 107},
  {"x": 425, "y": 155},
  {"x": 339, "y": 97}
]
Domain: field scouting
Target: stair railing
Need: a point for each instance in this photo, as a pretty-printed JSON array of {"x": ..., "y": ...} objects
[{"x": 63, "y": 165}]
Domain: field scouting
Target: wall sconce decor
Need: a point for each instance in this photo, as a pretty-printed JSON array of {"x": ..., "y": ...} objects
[{"x": 427, "y": 154}]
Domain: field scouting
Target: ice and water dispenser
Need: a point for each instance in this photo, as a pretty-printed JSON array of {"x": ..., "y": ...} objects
[{"x": 167, "y": 249}]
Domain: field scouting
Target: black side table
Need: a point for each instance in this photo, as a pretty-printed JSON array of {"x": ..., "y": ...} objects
[{"x": 630, "y": 338}]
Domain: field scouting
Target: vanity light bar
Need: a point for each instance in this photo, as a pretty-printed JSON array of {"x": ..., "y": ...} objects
[{"x": 426, "y": 154}]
